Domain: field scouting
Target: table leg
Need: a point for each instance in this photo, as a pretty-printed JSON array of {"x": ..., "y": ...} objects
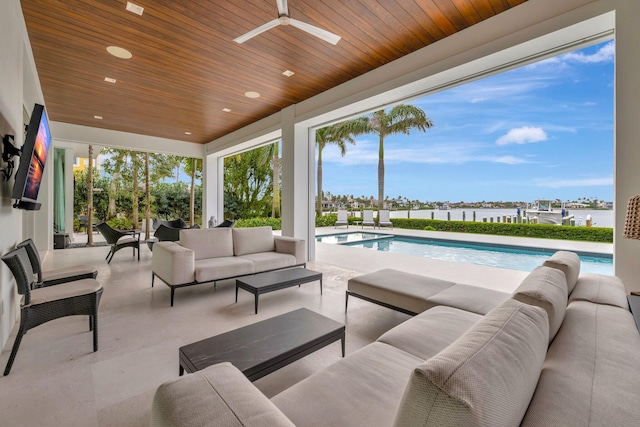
[
  {"x": 236, "y": 292},
  {"x": 256, "y": 302},
  {"x": 342, "y": 342},
  {"x": 321, "y": 286},
  {"x": 182, "y": 369}
]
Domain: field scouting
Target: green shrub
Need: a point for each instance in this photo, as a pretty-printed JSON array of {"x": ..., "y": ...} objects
[
  {"x": 428, "y": 228},
  {"x": 326, "y": 220},
  {"x": 275, "y": 223},
  {"x": 542, "y": 231},
  {"x": 120, "y": 223}
]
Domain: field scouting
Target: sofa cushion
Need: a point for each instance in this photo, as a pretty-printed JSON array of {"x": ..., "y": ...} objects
[
  {"x": 568, "y": 263},
  {"x": 222, "y": 268},
  {"x": 399, "y": 289},
  {"x": 265, "y": 261},
  {"x": 427, "y": 333},
  {"x": 590, "y": 376},
  {"x": 218, "y": 396},
  {"x": 545, "y": 287},
  {"x": 486, "y": 377},
  {"x": 470, "y": 298},
  {"x": 208, "y": 242},
  {"x": 363, "y": 389},
  {"x": 600, "y": 289},
  {"x": 253, "y": 240}
]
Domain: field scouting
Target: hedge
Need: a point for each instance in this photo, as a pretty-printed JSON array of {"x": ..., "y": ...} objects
[{"x": 542, "y": 231}]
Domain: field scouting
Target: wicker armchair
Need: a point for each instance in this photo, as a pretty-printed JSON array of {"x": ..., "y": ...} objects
[
  {"x": 119, "y": 239},
  {"x": 41, "y": 305},
  {"x": 59, "y": 275}
]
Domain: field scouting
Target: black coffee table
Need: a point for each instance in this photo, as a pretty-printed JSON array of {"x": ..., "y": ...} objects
[
  {"x": 263, "y": 283},
  {"x": 264, "y": 347}
]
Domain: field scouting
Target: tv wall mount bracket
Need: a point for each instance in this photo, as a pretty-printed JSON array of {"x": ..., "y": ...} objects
[{"x": 9, "y": 151}]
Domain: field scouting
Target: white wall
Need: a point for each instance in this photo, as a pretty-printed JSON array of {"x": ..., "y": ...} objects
[{"x": 11, "y": 101}]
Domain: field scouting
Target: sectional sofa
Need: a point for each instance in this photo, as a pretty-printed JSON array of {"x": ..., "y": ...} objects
[
  {"x": 213, "y": 254},
  {"x": 563, "y": 350}
]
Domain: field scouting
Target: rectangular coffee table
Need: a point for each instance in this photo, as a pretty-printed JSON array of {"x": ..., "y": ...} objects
[
  {"x": 266, "y": 346},
  {"x": 263, "y": 283}
]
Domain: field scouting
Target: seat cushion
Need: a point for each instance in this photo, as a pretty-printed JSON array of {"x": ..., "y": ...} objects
[
  {"x": 568, "y": 263},
  {"x": 600, "y": 289},
  {"x": 264, "y": 261},
  {"x": 429, "y": 332},
  {"x": 222, "y": 268},
  {"x": 399, "y": 289},
  {"x": 218, "y": 396},
  {"x": 67, "y": 274},
  {"x": 545, "y": 287},
  {"x": 590, "y": 375},
  {"x": 253, "y": 240},
  {"x": 486, "y": 377},
  {"x": 363, "y": 389},
  {"x": 470, "y": 298},
  {"x": 127, "y": 239},
  {"x": 65, "y": 290},
  {"x": 208, "y": 242}
]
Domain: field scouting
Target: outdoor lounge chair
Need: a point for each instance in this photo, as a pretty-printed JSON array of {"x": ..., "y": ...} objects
[
  {"x": 226, "y": 223},
  {"x": 41, "y": 305},
  {"x": 59, "y": 275},
  {"x": 367, "y": 219},
  {"x": 383, "y": 219},
  {"x": 119, "y": 239},
  {"x": 342, "y": 218}
]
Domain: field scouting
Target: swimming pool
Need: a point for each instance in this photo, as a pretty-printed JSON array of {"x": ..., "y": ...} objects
[{"x": 501, "y": 256}]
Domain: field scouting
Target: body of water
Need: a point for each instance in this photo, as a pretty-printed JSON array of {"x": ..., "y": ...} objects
[{"x": 600, "y": 218}]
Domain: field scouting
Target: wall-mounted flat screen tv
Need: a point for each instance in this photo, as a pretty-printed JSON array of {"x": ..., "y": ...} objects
[{"x": 33, "y": 158}]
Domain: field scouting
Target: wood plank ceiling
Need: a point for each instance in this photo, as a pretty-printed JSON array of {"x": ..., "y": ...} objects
[{"x": 186, "y": 68}]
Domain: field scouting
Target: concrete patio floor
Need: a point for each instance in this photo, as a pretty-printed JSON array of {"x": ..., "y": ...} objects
[{"x": 57, "y": 380}]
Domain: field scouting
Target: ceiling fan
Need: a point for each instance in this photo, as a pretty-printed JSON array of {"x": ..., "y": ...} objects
[{"x": 284, "y": 19}]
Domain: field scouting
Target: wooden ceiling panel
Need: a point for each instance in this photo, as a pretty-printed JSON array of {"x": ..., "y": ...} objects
[{"x": 186, "y": 67}]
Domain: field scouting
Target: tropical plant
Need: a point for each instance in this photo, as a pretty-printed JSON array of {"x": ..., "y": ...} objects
[
  {"x": 339, "y": 134},
  {"x": 192, "y": 167},
  {"x": 247, "y": 184},
  {"x": 400, "y": 119}
]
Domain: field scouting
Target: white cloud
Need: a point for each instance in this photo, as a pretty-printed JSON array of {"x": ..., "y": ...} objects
[
  {"x": 584, "y": 182},
  {"x": 605, "y": 54},
  {"x": 523, "y": 135}
]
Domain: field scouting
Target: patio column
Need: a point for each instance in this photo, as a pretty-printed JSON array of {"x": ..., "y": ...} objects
[
  {"x": 297, "y": 181},
  {"x": 213, "y": 193}
]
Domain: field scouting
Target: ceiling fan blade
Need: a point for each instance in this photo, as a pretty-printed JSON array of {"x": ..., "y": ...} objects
[
  {"x": 283, "y": 9},
  {"x": 261, "y": 29},
  {"x": 315, "y": 31}
]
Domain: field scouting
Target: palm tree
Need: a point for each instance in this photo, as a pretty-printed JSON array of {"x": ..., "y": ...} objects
[
  {"x": 193, "y": 167},
  {"x": 400, "y": 119},
  {"x": 339, "y": 134}
]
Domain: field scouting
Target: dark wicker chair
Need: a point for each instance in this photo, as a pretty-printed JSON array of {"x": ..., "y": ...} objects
[
  {"x": 59, "y": 275},
  {"x": 41, "y": 305},
  {"x": 173, "y": 223},
  {"x": 167, "y": 233},
  {"x": 119, "y": 239},
  {"x": 226, "y": 223}
]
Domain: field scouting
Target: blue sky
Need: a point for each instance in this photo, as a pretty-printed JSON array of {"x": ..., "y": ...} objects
[{"x": 541, "y": 131}]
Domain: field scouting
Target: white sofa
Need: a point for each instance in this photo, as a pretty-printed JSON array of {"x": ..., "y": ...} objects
[
  {"x": 563, "y": 350},
  {"x": 213, "y": 254}
]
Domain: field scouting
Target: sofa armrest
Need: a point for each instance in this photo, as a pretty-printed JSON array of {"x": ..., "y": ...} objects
[
  {"x": 291, "y": 246},
  {"x": 173, "y": 263},
  {"x": 217, "y": 396}
]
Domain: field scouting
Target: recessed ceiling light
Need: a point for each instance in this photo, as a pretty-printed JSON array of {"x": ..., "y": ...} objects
[
  {"x": 119, "y": 52},
  {"x": 226, "y": 110},
  {"x": 97, "y": 117},
  {"x": 252, "y": 94},
  {"x": 109, "y": 79},
  {"x": 187, "y": 133},
  {"x": 288, "y": 73},
  {"x": 134, "y": 8}
]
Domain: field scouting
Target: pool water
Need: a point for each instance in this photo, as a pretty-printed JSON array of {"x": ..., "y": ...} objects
[
  {"x": 500, "y": 256},
  {"x": 343, "y": 238}
]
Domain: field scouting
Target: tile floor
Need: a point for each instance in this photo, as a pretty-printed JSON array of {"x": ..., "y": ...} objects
[{"x": 57, "y": 380}]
